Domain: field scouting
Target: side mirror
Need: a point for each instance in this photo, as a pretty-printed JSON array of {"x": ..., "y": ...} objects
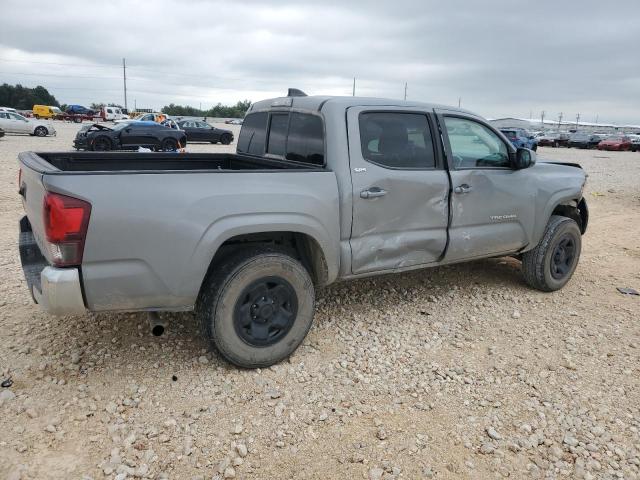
[{"x": 524, "y": 158}]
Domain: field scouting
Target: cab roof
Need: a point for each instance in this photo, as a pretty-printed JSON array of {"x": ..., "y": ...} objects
[{"x": 318, "y": 102}]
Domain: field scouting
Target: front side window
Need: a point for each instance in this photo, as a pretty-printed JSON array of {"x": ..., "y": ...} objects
[
  {"x": 253, "y": 134},
  {"x": 473, "y": 145},
  {"x": 278, "y": 134},
  {"x": 396, "y": 140}
]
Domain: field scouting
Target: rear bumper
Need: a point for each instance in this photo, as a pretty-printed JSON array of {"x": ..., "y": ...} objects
[{"x": 56, "y": 290}]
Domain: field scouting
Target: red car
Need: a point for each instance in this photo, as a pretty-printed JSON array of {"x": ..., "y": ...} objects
[{"x": 615, "y": 142}]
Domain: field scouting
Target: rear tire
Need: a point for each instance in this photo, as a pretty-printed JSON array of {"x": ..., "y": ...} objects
[
  {"x": 41, "y": 132},
  {"x": 169, "y": 145},
  {"x": 550, "y": 265},
  {"x": 257, "y": 307}
]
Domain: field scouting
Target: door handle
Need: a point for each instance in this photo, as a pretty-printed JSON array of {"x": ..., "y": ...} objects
[
  {"x": 373, "y": 192},
  {"x": 464, "y": 188}
]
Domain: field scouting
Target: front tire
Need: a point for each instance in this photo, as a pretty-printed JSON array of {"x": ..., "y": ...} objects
[
  {"x": 225, "y": 139},
  {"x": 550, "y": 265},
  {"x": 257, "y": 307},
  {"x": 41, "y": 132},
  {"x": 101, "y": 144}
]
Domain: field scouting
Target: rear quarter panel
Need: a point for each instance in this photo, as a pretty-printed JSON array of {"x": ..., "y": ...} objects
[{"x": 152, "y": 236}]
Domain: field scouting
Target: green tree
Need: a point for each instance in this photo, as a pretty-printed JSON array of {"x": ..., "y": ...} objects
[
  {"x": 24, "y": 98},
  {"x": 224, "y": 111}
]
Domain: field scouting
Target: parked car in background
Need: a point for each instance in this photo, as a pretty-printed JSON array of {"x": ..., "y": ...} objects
[
  {"x": 199, "y": 131},
  {"x": 1, "y": 133},
  {"x": 554, "y": 139},
  {"x": 129, "y": 136},
  {"x": 8, "y": 109},
  {"x": 615, "y": 143},
  {"x": 234, "y": 121},
  {"x": 584, "y": 140},
  {"x": 15, "y": 123},
  {"x": 635, "y": 143},
  {"x": 113, "y": 114},
  {"x": 148, "y": 117},
  {"x": 520, "y": 138},
  {"x": 26, "y": 113},
  {"x": 80, "y": 110}
]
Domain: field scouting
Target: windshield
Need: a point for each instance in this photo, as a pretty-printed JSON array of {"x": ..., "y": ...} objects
[{"x": 56, "y": 110}]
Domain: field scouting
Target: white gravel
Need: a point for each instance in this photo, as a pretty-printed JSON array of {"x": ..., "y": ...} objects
[{"x": 456, "y": 372}]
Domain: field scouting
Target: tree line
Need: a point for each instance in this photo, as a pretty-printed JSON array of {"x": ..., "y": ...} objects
[
  {"x": 24, "y": 98},
  {"x": 221, "y": 111}
]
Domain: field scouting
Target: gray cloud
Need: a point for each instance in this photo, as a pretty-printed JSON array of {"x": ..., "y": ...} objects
[{"x": 501, "y": 57}]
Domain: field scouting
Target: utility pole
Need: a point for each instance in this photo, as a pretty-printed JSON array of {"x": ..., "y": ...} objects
[
  {"x": 577, "y": 120},
  {"x": 596, "y": 118},
  {"x": 559, "y": 120},
  {"x": 459, "y": 101},
  {"x": 530, "y": 114},
  {"x": 542, "y": 119},
  {"x": 353, "y": 94},
  {"x": 405, "y": 91},
  {"x": 124, "y": 76}
]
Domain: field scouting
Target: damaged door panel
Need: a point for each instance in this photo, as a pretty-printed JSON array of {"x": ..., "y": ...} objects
[{"x": 400, "y": 190}]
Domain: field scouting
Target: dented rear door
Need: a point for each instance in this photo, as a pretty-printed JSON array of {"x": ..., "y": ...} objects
[{"x": 400, "y": 189}]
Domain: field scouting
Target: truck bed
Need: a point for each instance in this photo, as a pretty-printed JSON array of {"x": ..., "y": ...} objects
[{"x": 132, "y": 162}]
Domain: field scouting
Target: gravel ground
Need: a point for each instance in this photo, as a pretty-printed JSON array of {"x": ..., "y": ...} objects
[{"x": 453, "y": 372}]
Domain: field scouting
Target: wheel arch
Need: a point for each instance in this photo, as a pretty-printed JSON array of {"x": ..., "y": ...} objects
[
  {"x": 300, "y": 245},
  {"x": 577, "y": 210},
  {"x": 563, "y": 204}
]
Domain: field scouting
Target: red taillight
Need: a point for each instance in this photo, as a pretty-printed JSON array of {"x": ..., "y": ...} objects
[{"x": 65, "y": 223}]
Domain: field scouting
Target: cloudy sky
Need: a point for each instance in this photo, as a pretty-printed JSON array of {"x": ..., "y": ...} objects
[{"x": 501, "y": 58}]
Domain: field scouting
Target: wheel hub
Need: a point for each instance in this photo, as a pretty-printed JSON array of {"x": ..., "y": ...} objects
[
  {"x": 563, "y": 257},
  {"x": 265, "y": 311}
]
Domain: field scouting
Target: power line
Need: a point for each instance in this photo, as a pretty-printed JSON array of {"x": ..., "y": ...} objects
[
  {"x": 58, "y": 75},
  {"x": 6, "y": 60}
]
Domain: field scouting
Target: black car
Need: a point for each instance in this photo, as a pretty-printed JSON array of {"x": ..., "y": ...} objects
[
  {"x": 129, "y": 136},
  {"x": 584, "y": 140},
  {"x": 199, "y": 131}
]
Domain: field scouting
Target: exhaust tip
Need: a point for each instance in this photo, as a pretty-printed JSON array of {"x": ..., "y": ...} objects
[
  {"x": 157, "y": 330},
  {"x": 157, "y": 325}
]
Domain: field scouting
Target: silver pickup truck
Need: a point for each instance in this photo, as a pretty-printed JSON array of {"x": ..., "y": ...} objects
[{"x": 321, "y": 189}]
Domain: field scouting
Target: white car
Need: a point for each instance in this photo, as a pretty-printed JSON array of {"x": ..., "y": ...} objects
[{"x": 15, "y": 123}]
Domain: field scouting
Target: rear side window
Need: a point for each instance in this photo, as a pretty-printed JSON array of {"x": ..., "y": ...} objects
[
  {"x": 253, "y": 134},
  {"x": 278, "y": 134},
  {"x": 298, "y": 137},
  {"x": 306, "y": 139},
  {"x": 397, "y": 140}
]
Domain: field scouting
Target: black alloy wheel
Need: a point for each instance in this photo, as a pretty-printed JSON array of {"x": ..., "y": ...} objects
[
  {"x": 169, "y": 145},
  {"x": 102, "y": 144}
]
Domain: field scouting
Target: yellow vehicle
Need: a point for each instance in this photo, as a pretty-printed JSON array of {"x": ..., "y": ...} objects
[{"x": 44, "y": 111}]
